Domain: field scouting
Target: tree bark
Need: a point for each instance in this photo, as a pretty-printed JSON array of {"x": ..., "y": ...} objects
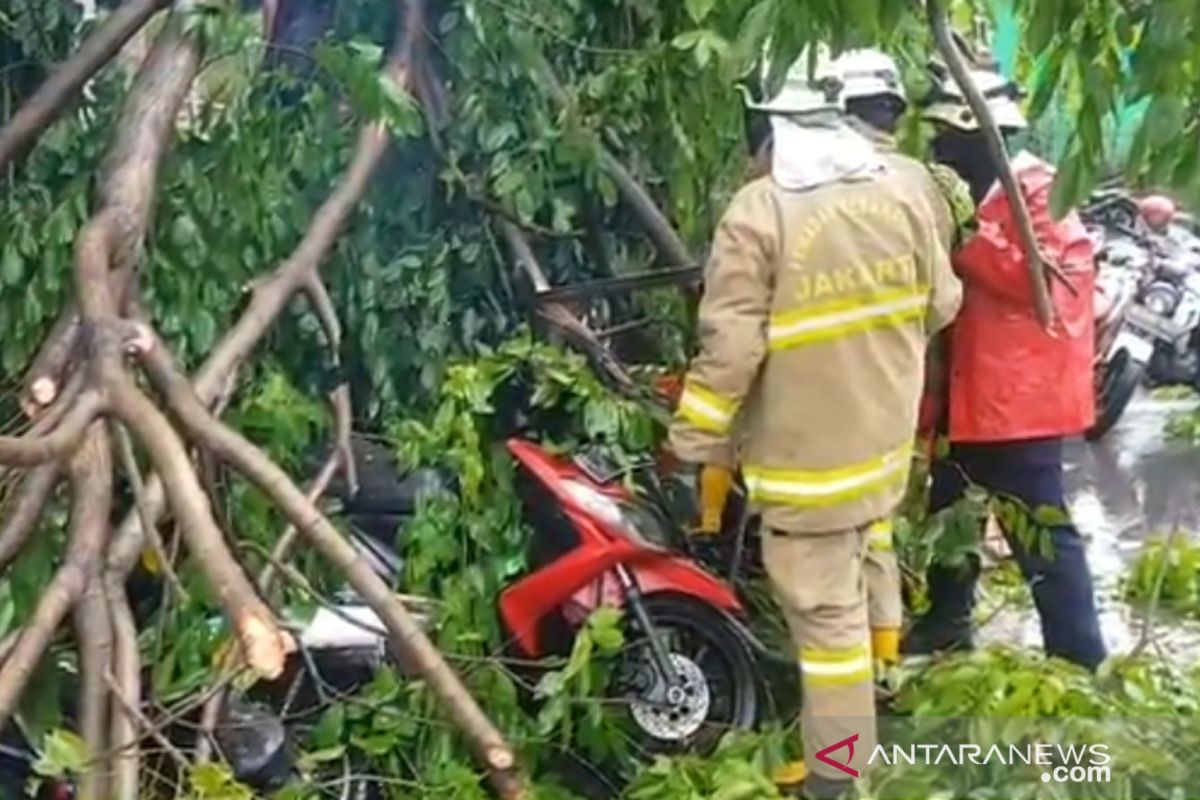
[
  {"x": 91, "y": 483},
  {"x": 55, "y": 95},
  {"x": 21, "y": 518}
]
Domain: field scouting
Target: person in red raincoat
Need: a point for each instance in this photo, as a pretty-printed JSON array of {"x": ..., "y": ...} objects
[{"x": 1015, "y": 389}]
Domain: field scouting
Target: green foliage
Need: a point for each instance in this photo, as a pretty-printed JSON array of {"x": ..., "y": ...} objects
[
  {"x": 1141, "y": 710},
  {"x": 1169, "y": 569},
  {"x": 1184, "y": 427},
  {"x": 214, "y": 782},
  {"x": 63, "y": 754},
  {"x": 584, "y": 677},
  {"x": 740, "y": 769},
  {"x": 953, "y": 535},
  {"x": 462, "y": 551}
]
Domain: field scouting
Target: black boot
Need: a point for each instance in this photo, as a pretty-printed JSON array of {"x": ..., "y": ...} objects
[
  {"x": 929, "y": 636},
  {"x": 947, "y": 626}
]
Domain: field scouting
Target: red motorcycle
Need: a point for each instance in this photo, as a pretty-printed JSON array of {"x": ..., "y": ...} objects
[{"x": 690, "y": 670}]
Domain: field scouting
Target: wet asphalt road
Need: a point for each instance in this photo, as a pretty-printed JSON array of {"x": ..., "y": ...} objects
[{"x": 1133, "y": 485}]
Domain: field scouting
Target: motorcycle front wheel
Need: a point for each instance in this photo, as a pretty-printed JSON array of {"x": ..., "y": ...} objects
[
  {"x": 1116, "y": 381},
  {"x": 717, "y": 683}
]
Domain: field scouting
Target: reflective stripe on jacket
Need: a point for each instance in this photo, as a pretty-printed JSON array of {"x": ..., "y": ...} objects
[{"x": 816, "y": 311}]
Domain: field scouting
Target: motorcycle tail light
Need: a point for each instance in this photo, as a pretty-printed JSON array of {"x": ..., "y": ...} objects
[
  {"x": 59, "y": 790},
  {"x": 1157, "y": 210}
]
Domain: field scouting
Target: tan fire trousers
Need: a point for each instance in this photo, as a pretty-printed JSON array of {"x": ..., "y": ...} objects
[
  {"x": 885, "y": 609},
  {"x": 820, "y": 582}
]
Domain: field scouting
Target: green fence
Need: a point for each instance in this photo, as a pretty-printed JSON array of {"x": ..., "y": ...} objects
[{"x": 1053, "y": 131}]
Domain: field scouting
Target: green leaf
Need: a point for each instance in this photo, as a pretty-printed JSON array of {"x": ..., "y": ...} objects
[
  {"x": 1051, "y": 516},
  {"x": 11, "y": 266},
  {"x": 1070, "y": 184},
  {"x": 699, "y": 10},
  {"x": 755, "y": 27},
  {"x": 328, "y": 731},
  {"x": 64, "y": 753},
  {"x": 316, "y": 757},
  {"x": 604, "y": 626},
  {"x": 1165, "y": 118},
  {"x": 688, "y": 39}
]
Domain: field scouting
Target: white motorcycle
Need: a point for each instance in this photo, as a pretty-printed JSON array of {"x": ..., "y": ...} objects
[{"x": 1148, "y": 301}]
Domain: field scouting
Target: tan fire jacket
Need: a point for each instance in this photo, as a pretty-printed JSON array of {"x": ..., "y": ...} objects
[{"x": 813, "y": 326}]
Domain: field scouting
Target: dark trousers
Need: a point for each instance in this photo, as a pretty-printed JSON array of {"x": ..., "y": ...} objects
[{"x": 1032, "y": 473}]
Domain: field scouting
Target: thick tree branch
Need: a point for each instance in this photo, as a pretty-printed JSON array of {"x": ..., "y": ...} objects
[
  {"x": 55, "y": 95},
  {"x": 21, "y": 451},
  {"x": 91, "y": 484},
  {"x": 940, "y": 24},
  {"x": 125, "y": 682},
  {"x": 93, "y": 635},
  {"x": 20, "y": 520},
  {"x": 263, "y": 643},
  {"x": 408, "y": 641},
  {"x": 129, "y": 179}
]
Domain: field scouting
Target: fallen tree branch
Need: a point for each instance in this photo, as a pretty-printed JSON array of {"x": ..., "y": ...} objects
[
  {"x": 93, "y": 635},
  {"x": 408, "y": 641},
  {"x": 287, "y": 540},
  {"x": 940, "y": 25},
  {"x": 339, "y": 397},
  {"x": 263, "y": 642},
  {"x": 666, "y": 241},
  {"x": 1146, "y": 636},
  {"x": 44, "y": 375},
  {"x": 91, "y": 483},
  {"x": 21, "y": 518},
  {"x": 125, "y": 682},
  {"x": 31, "y": 451},
  {"x": 53, "y": 96}
]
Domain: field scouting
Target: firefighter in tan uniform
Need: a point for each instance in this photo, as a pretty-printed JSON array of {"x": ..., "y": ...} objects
[
  {"x": 825, "y": 281},
  {"x": 875, "y": 101}
]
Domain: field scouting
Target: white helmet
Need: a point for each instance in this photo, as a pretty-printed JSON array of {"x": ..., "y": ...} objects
[
  {"x": 803, "y": 91},
  {"x": 946, "y": 103},
  {"x": 868, "y": 73}
]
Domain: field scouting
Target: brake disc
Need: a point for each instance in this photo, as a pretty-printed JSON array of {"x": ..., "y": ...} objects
[{"x": 673, "y": 713}]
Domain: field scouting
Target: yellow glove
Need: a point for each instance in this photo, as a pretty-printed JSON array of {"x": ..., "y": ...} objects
[{"x": 715, "y": 485}]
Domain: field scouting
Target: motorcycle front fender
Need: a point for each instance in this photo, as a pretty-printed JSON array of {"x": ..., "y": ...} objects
[{"x": 526, "y": 603}]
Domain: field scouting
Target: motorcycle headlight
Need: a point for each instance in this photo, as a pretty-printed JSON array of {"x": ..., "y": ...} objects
[
  {"x": 1161, "y": 302},
  {"x": 629, "y": 519}
]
